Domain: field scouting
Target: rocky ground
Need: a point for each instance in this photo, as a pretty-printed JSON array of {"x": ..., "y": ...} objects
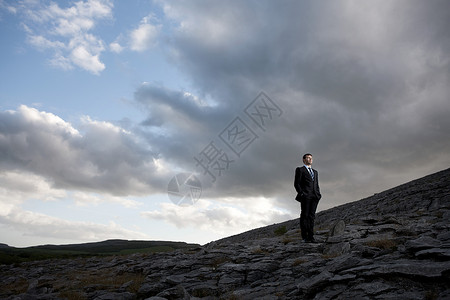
[{"x": 393, "y": 245}]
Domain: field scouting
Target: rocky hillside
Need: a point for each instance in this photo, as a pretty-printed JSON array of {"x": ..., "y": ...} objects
[{"x": 393, "y": 245}]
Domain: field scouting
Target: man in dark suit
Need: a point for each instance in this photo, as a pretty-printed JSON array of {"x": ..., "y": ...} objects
[{"x": 306, "y": 184}]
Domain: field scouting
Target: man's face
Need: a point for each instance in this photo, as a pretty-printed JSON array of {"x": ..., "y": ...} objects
[{"x": 308, "y": 160}]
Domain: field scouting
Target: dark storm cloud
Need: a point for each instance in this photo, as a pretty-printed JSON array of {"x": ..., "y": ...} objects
[
  {"x": 364, "y": 86},
  {"x": 174, "y": 108},
  {"x": 178, "y": 122}
]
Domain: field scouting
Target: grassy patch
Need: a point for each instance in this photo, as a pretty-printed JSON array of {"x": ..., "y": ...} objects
[
  {"x": 330, "y": 256},
  {"x": 13, "y": 255},
  {"x": 280, "y": 230},
  {"x": 18, "y": 286},
  {"x": 384, "y": 244},
  {"x": 155, "y": 249},
  {"x": 289, "y": 239},
  {"x": 79, "y": 281},
  {"x": 260, "y": 251},
  {"x": 298, "y": 261},
  {"x": 217, "y": 261},
  {"x": 431, "y": 295}
]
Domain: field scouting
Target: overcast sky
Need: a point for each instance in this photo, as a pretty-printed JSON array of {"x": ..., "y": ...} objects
[{"x": 103, "y": 102}]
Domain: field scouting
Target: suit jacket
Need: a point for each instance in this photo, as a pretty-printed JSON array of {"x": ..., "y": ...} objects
[{"x": 306, "y": 187}]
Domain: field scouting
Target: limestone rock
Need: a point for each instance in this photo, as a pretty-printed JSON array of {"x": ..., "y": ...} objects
[
  {"x": 338, "y": 228},
  {"x": 337, "y": 249}
]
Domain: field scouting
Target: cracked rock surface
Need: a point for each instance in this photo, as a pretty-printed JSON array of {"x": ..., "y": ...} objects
[{"x": 393, "y": 245}]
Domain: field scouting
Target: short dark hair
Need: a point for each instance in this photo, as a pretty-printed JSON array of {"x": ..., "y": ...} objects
[{"x": 307, "y": 154}]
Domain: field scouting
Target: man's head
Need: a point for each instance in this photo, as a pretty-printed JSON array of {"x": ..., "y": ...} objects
[{"x": 307, "y": 159}]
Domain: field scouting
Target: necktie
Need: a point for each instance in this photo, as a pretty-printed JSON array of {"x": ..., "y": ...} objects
[{"x": 311, "y": 172}]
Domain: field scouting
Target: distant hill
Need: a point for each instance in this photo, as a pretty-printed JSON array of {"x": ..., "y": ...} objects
[
  {"x": 116, "y": 246},
  {"x": 109, "y": 247}
]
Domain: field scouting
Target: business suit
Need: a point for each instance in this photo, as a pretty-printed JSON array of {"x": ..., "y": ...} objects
[{"x": 308, "y": 194}]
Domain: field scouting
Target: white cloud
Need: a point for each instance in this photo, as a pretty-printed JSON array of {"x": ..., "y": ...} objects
[
  {"x": 80, "y": 17},
  {"x": 18, "y": 186},
  {"x": 66, "y": 32},
  {"x": 62, "y": 62},
  {"x": 226, "y": 216},
  {"x": 144, "y": 37},
  {"x": 115, "y": 47},
  {"x": 40, "y": 225},
  {"x": 43, "y": 43},
  {"x": 82, "y": 58},
  {"x": 95, "y": 199},
  {"x": 104, "y": 158},
  {"x": 10, "y": 8}
]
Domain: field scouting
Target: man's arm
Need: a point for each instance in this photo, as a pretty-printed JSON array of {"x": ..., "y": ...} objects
[
  {"x": 297, "y": 180},
  {"x": 317, "y": 185}
]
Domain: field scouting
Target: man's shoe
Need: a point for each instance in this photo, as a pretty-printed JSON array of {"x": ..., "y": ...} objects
[{"x": 311, "y": 240}]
